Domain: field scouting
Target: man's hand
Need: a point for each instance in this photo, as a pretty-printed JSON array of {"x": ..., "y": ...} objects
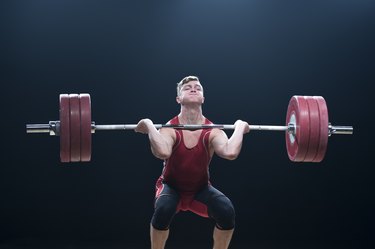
[
  {"x": 143, "y": 126},
  {"x": 242, "y": 125},
  {"x": 161, "y": 141}
]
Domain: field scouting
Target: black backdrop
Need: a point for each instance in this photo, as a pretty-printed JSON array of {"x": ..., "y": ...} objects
[{"x": 251, "y": 56}]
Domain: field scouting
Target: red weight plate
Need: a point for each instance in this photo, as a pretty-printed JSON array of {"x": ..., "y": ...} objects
[
  {"x": 64, "y": 128},
  {"x": 297, "y": 143},
  {"x": 85, "y": 103},
  {"x": 314, "y": 129},
  {"x": 75, "y": 128},
  {"x": 323, "y": 138}
]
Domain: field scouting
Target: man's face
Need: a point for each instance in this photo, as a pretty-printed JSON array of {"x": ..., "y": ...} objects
[{"x": 191, "y": 92}]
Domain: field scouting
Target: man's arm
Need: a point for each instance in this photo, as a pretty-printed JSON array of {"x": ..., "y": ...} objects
[
  {"x": 161, "y": 141},
  {"x": 229, "y": 148}
]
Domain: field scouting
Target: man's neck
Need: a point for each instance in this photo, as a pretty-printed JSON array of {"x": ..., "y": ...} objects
[{"x": 189, "y": 115}]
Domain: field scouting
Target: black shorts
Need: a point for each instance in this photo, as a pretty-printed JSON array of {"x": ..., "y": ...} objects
[{"x": 208, "y": 202}]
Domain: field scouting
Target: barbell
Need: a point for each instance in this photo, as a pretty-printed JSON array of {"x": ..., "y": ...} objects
[{"x": 306, "y": 131}]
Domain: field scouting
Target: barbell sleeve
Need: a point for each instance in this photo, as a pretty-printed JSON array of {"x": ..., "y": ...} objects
[
  {"x": 345, "y": 130},
  {"x": 38, "y": 128}
]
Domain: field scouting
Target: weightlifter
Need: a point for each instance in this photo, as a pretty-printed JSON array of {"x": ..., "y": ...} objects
[{"x": 184, "y": 182}]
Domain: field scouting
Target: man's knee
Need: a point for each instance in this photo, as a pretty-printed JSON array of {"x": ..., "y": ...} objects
[
  {"x": 222, "y": 211},
  {"x": 165, "y": 209}
]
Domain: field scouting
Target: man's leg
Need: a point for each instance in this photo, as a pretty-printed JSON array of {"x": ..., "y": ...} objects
[
  {"x": 158, "y": 238},
  {"x": 221, "y": 209},
  {"x": 165, "y": 208},
  {"x": 222, "y": 238}
]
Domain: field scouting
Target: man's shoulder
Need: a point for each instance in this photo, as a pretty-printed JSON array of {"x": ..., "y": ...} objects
[
  {"x": 208, "y": 121},
  {"x": 173, "y": 120}
]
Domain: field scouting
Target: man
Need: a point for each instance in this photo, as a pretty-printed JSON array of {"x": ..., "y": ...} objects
[{"x": 184, "y": 183}]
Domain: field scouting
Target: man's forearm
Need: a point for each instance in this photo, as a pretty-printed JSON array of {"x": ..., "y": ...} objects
[{"x": 234, "y": 144}]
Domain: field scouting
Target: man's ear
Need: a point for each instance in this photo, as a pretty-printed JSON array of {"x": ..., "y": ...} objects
[
  {"x": 178, "y": 99},
  {"x": 203, "y": 100}
]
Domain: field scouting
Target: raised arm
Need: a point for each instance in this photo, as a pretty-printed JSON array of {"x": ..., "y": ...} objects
[
  {"x": 229, "y": 148},
  {"x": 161, "y": 141}
]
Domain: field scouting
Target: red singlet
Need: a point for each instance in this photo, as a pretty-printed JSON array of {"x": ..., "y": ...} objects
[{"x": 187, "y": 169}]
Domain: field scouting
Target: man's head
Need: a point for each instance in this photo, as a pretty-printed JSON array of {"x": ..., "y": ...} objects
[
  {"x": 185, "y": 80},
  {"x": 190, "y": 85}
]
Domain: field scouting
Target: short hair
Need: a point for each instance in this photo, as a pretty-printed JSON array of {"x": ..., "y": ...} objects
[{"x": 184, "y": 81}]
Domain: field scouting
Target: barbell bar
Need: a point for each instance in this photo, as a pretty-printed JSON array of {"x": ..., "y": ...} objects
[
  {"x": 50, "y": 127},
  {"x": 306, "y": 131}
]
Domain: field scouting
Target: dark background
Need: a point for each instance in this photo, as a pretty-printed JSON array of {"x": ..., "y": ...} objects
[{"x": 251, "y": 57}]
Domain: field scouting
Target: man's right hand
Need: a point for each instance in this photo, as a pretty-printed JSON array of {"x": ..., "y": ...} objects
[
  {"x": 242, "y": 125},
  {"x": 144, "y": 126}
]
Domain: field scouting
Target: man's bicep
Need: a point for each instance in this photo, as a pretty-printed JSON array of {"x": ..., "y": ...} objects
[
  {"x": 219, "y": 142},
  {"x": 169, "y": 136}
]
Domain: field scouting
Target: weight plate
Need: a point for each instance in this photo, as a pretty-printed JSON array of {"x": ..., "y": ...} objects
[
  {"x": 298, "y": 141},
  {"x": 85, "y": 104},
  {"x": 323, "y": 138},
  {"x": 75, "y": 128},
  {"x": 64, "y": 128},
  {"x": 314, "y": 129}
]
